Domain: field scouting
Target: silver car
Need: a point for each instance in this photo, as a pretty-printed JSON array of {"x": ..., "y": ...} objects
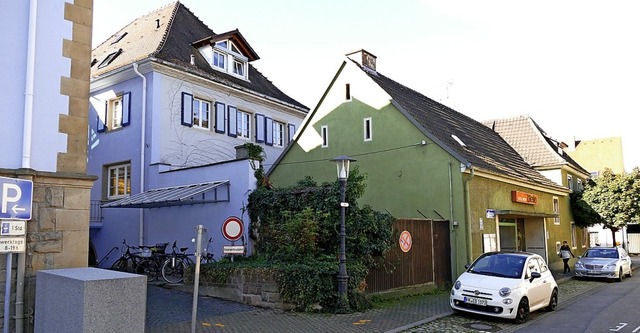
[{"x": 604, "y": 262}]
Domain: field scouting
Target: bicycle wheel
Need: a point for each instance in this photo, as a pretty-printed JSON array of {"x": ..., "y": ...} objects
[
  {"x": 149, "y": 268},
  {"x": 121, "y": 265},
  {"x": 173, "y": 270},
  {"x": 208, "y": 259}
]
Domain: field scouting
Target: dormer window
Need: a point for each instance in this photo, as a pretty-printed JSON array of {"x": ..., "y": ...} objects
[
  {"x": 228, "y": 52},
  {"x": 219, "y": 60},
  {"x": 238, "y": 68}
]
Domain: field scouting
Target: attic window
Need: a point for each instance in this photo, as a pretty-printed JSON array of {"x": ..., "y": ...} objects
[
  {"x": 109, "y": 59},
  {"x": 118, "y": 38},
  {"x": 226, "y": 57},
  {"x": 455, "y": 137}
]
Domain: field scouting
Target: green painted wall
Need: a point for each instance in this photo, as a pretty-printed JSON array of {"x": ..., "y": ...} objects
[{"x": 403, "y": 176}]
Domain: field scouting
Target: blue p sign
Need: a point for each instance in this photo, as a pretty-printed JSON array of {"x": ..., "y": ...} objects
[{"x": 16, "y": 198}]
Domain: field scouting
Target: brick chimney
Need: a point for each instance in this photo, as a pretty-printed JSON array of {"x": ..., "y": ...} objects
[{"x": 364, "y": 59}]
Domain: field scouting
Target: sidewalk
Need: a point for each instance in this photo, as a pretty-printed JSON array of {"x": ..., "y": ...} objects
[{"x": 169, "y": 311}]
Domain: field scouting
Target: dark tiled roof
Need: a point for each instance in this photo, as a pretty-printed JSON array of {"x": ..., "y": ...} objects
[
  {"x": 171, "y": 43},
  {"x": 532, "y": 142},
  {"x": 483, "y": 148}
]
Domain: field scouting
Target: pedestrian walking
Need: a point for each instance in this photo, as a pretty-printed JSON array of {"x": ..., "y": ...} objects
[{"x": 566, "y": 254}]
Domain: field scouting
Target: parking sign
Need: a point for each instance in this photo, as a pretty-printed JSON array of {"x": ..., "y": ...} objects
[{"x": 16, "y": 198}]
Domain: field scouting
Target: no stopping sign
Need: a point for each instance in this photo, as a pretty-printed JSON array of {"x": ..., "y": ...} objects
[{"x": 232, "y": 228}]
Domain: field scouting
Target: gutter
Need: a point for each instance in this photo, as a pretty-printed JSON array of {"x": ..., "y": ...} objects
[
  {"x": 467, "y": 209},
  {"x": 143, "y": 128}
]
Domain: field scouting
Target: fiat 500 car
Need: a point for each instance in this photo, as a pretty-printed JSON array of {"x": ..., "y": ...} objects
[
  {"x": 506, "y": 285},
  {"x": 604, "y": 262}
]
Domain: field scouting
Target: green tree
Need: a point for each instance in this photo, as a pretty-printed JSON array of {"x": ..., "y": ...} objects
[{"x": 610, "y": 199}]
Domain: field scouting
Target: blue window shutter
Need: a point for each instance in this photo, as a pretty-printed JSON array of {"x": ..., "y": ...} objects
[
  {"x": 101, "y": 126},
  {"x": 292, "y": 131},
  {"x": 260, "y": 127},
  {"x": 126, "y": 109},
  {"x": 232, "y": 121},
  {"x": 220, "y": 117},
  {"x": 268, "y": 129},
  {"x": 187, "y": 109}
]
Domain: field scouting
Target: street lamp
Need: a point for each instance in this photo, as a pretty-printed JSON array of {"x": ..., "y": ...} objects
[{"x": 342, "y": 167}]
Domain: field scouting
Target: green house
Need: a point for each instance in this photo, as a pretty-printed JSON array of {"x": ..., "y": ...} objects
[{"x": 426, "y": 162}]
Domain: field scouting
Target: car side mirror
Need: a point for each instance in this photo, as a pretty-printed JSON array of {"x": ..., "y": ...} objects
[
  {"x": 534, "y": 275},
  {"x": 466, "y": 266}
]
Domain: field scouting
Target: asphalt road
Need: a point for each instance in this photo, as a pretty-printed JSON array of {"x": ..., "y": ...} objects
[{"x": 613, "y": 308}]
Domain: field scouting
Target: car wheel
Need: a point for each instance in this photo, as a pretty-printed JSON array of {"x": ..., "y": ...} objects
[
  {"x": 620, "y": 275},
  {"x": 553, "y": 301},
  {"x": 523, "y": 311}
]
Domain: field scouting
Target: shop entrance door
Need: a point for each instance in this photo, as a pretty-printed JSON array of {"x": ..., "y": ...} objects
[{"x": 535, "y": 232}]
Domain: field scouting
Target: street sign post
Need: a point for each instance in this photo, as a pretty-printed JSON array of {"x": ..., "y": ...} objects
[{"x": 16, "y": 198}]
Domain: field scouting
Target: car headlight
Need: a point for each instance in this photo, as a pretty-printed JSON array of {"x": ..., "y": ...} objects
[
  {"x": 611, "y": 265},
  {"x": 579, "y": 264},
  {"x": 457, "y": 285},
  {"x": 504, "y": 292}
]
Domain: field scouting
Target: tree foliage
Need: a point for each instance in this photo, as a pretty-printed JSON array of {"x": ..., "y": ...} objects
[{"x": 610, "y": 199}]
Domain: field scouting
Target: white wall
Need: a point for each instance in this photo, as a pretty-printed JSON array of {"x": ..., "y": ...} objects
[{"x": 50, "y": 66}]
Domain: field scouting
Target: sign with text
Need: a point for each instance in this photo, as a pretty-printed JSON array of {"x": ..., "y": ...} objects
[
  {"x": 525, "y": 198},
  {"x": 13, "y": 244},
  {"x": 13, "y": 228},
  {"x": 16, "y": 198},
  {"x": 233, "y": 249}
]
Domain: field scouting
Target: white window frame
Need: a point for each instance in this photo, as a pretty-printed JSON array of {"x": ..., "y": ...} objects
[
  {"x": 368, "y": 129},
  {"x": 244, "y": 125},
  {"x": 217, "y": 56},
  {"x": 115, "y": 113},
  {"x": 118, "y": 181},
  {"x": 324, "y": 132},
  {"x": 198, "y": 120},
  {"x": 556, "y": 210},
  {"x": 580, "y": 187},
  {"x": 570, "y": 182},
  {"x": 238, "y": 68},
  {"x": 278, "y": 133}
]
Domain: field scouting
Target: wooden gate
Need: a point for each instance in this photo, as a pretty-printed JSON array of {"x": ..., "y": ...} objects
[{"x": 427, "y": 261}]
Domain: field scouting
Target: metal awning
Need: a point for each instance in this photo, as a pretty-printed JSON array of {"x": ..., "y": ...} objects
[
  {"x": 524, "y": 214},
  {"x": 175, "y": 196}
]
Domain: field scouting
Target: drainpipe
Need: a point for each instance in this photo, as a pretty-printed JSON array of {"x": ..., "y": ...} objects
[
  {"x": 451, "y": 220},
  {"x": 468, "y": 215},
  {"x": 26, "y": 163},
  {"x": 143, "y": 128}
]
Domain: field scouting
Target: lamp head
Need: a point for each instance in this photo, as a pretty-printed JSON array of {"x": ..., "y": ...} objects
[{"x": 342, "y": 166}]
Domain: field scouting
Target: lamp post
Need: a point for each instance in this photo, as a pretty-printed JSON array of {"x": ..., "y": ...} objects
[{"x": 342, "y": 167}]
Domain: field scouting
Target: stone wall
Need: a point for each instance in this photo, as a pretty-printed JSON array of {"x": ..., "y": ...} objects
[
  {"x": 250, "y": 286},
  {"x": 57, "y": 234}
]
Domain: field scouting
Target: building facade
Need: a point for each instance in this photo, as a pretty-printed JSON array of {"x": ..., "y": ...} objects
[
  {"x": 174, "y": 105},
  {"x": 423, "y": 160}
]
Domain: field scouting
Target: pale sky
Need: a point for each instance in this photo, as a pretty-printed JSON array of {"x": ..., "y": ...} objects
[{"x": 572, "y": 66}]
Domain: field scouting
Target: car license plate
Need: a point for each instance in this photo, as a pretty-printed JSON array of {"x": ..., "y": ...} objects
[
  {"x": 475, "y": 301},
  {"x": 593, "y": 272}
]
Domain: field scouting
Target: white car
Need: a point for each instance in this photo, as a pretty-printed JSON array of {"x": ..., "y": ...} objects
[
  {"x": 604, "y": 262},
  {"x": 506, "y": 285}
]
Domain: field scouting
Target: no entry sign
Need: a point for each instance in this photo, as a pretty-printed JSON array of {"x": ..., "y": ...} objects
[{"x": 232, "y": 228}]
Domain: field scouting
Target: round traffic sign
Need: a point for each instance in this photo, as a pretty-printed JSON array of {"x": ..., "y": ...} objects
[
  {"x": 405, "y": 241},
  {"x": 232, "y": 228}
]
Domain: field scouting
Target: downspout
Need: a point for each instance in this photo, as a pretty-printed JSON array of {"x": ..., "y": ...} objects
[
  {"x": 143, "y": 128},
  {"x": 26, "y": 160},
  {"x": 451, "y": 223},
  {"x": 467, "y": 209}
]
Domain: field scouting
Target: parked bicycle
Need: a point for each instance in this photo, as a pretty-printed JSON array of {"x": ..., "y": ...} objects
[
  {"x": 175, "y": 264},
  {"x": 144, "y": 259},
  {"x": 206, "y": 257}
]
